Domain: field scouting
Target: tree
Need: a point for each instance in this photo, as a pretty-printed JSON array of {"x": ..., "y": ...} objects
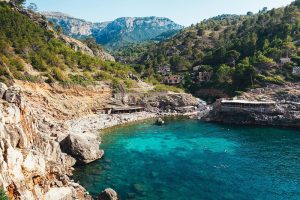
[
  {"x": 32, "y": 7},
  {"x": 264, "y": 10},
  {"x": 289, "y": 47},
  {"x": 179, "y": 63},
  {"x": 266, "y": 44},
  {"x": 232, "y": 57},
  {"x": 19, "y": 2},
  {"x": 224, "y": 74},
  {"x": 243, "y": 75},
  {"x": 250, "y": 13}
]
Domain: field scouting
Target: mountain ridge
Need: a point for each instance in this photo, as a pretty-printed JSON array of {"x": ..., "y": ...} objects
[{"x": 117, "y": 33}]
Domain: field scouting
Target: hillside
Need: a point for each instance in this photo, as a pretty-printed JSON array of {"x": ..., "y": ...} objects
[
  {"x": 118, "y": 33},
  {"x": 31, "y": 50},
  {"x": 242, "y": 52}
]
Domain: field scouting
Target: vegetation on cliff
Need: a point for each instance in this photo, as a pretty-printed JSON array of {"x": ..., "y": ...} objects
[
  {"x": 24, "y": 42},
  {"x": 3, "y": 196}
]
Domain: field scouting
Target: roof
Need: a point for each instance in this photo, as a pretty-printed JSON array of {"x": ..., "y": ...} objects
[
  {"x": 173, "y": 77},
  {"x": 247, "y": 102},
  {"x": 285, "y": 59},
  {"x": 126, "y": 108}
]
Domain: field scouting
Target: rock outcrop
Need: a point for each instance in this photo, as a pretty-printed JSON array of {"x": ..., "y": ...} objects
[
  {"x": 162, "y": 102},
  {"x": 32, "y": 165},
  {"x": 108, "y": 194},
  {"x": 82, "y": 147},
  {"x": 285, "y": 113},
  {"x": 79, "y": 46}
]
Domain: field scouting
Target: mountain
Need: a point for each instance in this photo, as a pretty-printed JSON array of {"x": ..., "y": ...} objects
[
  {"x": 118, "y": 33},
  {"x": 30, "y": 49},
  {"x": 240, "y": 51},
  {"x": 72, "y": 26}
]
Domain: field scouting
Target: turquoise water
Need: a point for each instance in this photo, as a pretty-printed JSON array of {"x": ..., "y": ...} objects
[{"x": 192, "y": 160}]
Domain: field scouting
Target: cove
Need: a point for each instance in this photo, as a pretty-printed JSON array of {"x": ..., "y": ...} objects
[{"x": 188, "y": 159}]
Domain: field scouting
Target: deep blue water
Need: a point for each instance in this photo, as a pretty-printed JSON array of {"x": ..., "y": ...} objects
[{"x": 192, "y": 160}]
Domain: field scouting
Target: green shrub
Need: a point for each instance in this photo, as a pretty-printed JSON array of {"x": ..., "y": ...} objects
[
  {"x": 3, "y": 195},
  {"x": 166, "y": 88},
  {"x": 59, "y": 75}
]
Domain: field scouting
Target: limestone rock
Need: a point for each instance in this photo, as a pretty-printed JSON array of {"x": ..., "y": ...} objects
[
  {"x": 63, "y": 193},
  {"x": 3, "y": 89},
  {"x": 34, "y": 163},
  {"x": 164, "y": 102},
  {"x": 83, "y": 148},
  {"x": 108, "y": 194},
  {"x": 160, "y": 122},
  {"x": 13, "y": 95},
  {"x": 31, "y": 161}
]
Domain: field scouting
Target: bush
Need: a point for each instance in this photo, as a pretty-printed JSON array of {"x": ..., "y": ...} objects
[
  {"x": 3, "y": 195},
  {"x": 59, "y": 75},
  {"x": 166, "y": 88}
]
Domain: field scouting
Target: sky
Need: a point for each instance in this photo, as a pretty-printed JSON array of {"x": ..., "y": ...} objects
[{"x": 184, "y": 12}]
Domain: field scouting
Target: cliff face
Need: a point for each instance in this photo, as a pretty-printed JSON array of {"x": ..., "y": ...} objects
[
  {"x": 285, "y": 113},
  {"x": 32, "y": 164},
  {"x": 117, "y": 33}
]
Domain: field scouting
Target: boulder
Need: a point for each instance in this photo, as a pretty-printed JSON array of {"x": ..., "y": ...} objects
[
  {"x": 83, "y": 148},
  {"x": 3, "y": 89},
  {"x": 63, "y": 193},
  {"x": 160, "y": 122},
  {"x": 13, "y": 95},
  {"x": 108, "y": 194}
]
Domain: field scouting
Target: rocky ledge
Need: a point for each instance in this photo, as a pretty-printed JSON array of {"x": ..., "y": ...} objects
[
  {"x": 163, "y": 103},
  {"x": 285, "y": 113}
]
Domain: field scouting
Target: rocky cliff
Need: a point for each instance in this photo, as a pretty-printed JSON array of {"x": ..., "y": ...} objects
[
  {"x": 32, "y": 164},
  {"x": 285, "y": 113},
  {"x": 117, "y": 33},
  {"x": 35, "y": 143}
]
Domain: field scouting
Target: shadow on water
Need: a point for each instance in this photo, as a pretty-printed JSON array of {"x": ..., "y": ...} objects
[{"x": 188, "y": 159}]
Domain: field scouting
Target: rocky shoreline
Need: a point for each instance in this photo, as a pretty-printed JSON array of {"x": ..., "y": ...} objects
[
  {"x": 45, "y": 130},
  {"x": 286, "y": 112}
]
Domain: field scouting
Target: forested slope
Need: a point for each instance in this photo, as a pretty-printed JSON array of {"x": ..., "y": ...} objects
[
  {"x": 34, "y": 52},
  {"x": 242, "y": 51}
]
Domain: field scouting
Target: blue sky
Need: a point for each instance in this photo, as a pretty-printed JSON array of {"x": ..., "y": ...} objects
[{"x": 184, "y": 12}]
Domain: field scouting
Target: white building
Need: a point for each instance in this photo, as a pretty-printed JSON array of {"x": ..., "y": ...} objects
[
  {"x": 173, "y": 79},
  {"x": 285, "y": 60},
  {"x": 164, "y": 70},
  {"x": 196, "y": 68},
  {"x": 296, "y": 70}
]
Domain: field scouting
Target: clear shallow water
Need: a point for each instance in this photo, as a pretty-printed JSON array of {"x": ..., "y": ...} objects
[{"x": 191, "y": 160}]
